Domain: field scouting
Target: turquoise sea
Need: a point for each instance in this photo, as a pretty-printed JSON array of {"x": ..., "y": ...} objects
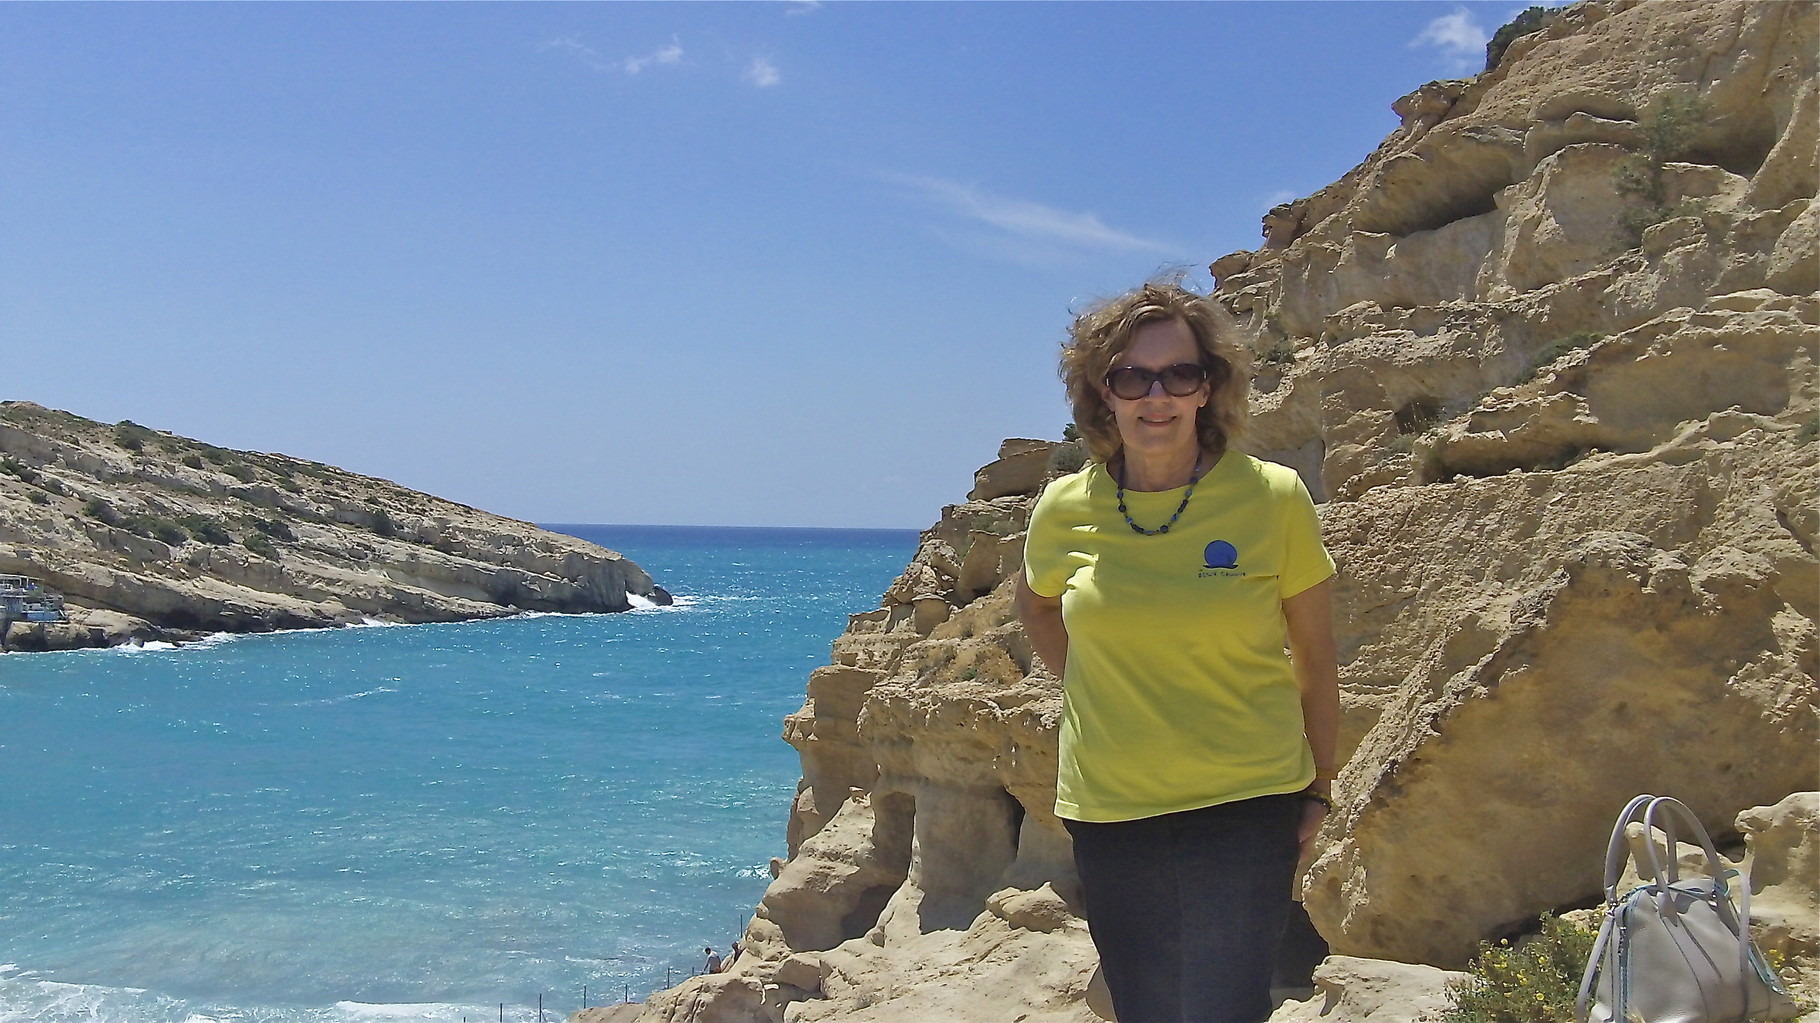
[{"x": 431, "y": 822}]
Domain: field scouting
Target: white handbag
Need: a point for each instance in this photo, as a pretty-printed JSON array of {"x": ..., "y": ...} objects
[{"x": 1674, "y": 949}]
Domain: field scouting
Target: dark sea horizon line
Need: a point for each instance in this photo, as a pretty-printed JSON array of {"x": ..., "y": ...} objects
[{"x": 880, "y": 531}]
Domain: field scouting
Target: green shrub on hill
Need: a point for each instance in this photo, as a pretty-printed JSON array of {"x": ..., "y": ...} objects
[
  {"x": 1560, "y": 346},
  {"x": 1532, "y": 19},
  {"x": 276, "y": 528},
  {"x": 158, "y": 528},
  {"x": 102, "y": 512},
  {"x": 206, "y": 528},
  {"x": 1668, "y": 126},
  {"x": 261, "y": 545},
  {"x": 131, "y": 435},
  {"x": 25, "y": 473},
  {"x": 383, "y": 524}
]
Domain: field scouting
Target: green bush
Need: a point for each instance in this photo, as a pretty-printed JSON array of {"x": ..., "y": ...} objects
[
  {"x": 1280, "y": 355},
  {"x": 158, "y": 528},
  {"x": 1667, "y": 126},
  {"x": 261, "y": 545},
  {"x": 1576, "y": 342},
  {"x": 38, "y": 498},
  {"x": 1531, "y": 20},
  {"x": 102, "y": 512},
  {"x": 131, "y": 435},
  {"x": 1534, "y": 983},
  {"x": 274, "y": 528},
  {"x": 383, "y": 524},
  {"x": 206, "y": 528},
  {"x": 166, "y": 531},
  {"x": 193, "y": 460},
  {"x": 25, "y": 473},
  {"x": 1068, "y": 458},
  {"x": 241, "y": 471}
]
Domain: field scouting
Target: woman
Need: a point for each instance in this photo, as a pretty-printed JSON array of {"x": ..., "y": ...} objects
[{"x": 1162, "y": 583}]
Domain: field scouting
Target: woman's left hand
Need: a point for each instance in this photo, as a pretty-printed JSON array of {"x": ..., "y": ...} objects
[{"x": 1313, "y": 813}]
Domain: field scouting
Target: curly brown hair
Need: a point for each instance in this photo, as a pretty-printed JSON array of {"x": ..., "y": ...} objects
[{"x": 1101, "y": 333}]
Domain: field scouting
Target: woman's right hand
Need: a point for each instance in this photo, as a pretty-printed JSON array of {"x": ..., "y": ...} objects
[{"x": 1042, "y": 618}]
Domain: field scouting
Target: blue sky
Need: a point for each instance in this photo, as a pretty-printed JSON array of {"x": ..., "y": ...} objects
[{"x": 681, "y": 263}]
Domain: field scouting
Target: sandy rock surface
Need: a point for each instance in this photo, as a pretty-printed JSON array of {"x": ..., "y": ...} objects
[
  {"x": 1564, "y": 438},
  {"x": 152, "y": 535},
  {"x": 1349, "y": 990}
]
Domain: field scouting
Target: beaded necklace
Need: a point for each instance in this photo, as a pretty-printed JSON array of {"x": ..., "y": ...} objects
[{"x": 1119, "y": 478}]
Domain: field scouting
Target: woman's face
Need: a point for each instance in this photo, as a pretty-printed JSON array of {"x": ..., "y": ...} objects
[{"x": 1159, "y": 423}]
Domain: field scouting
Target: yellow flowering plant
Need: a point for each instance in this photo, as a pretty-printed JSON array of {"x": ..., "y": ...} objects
[{"x": 1534, "y": 982}]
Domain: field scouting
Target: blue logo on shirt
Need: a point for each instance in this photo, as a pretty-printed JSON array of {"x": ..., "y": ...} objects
[{"x": 1221, "y": 554}]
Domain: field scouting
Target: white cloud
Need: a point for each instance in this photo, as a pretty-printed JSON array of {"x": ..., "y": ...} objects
[
  {"x": 1278, "y": 198},
  {"x": 802, "y": 6},
  {"x": 1021, "y": 219},
  {"x": 1458, "y": 36},
  {"x": 571, "y": 44},
  {"x": 762, "y": 73},
  {"x": 670, "y": 54},
  {"x": 574, "y": 45},
  {"x": 664, "y": 55}
]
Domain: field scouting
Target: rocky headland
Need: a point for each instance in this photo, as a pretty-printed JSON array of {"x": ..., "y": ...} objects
[
  {"x": 153, "y": 536},
  {"x": 1547, "y": 360}
]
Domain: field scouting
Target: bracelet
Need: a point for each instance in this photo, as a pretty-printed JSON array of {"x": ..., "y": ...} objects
[{"x": 1315, "y": 797}]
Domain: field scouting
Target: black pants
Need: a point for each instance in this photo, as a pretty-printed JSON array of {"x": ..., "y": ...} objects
[{"x": 1186, "y": 908}]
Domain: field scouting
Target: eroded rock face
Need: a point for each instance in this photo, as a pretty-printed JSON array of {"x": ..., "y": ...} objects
[
  {"x": 1570, "y": 469},
  {"x": 1568, "y": 464},
  {"x": 147, "y": 533}
]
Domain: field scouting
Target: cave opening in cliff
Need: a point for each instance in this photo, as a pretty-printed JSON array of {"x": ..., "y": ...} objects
[
  {"x": 1015, "y": 809},
  {"x": 1418, "y": 414},
  {"x": 893, "y": 826}
]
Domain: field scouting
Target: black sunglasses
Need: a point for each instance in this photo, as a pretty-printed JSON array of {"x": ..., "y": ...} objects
[{"x": 1179, "y": 380}]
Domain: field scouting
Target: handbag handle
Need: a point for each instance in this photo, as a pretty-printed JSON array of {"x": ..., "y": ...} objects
[
  {"x": 1714, "y": 866},
  {"x": 1617, "y": 851},
  {"x": 1672, "y": 808}
]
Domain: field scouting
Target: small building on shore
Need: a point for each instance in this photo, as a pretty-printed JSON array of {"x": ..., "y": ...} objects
[{"x": 24, "y": 599}]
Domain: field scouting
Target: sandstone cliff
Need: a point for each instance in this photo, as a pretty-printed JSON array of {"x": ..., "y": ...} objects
[
  {"x": 149, "y": 534},
  {"x": 1547, "y": 357}
]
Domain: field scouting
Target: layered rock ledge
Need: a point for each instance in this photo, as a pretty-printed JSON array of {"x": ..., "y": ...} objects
[
  {"x": 1564, "y": 433},
  {"x": 151, "y": 535}
]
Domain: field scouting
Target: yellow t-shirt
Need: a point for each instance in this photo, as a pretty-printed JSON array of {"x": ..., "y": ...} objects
[{"x": 1178, "y": 694}]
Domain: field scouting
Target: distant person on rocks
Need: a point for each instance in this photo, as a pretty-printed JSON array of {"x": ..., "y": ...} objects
[
  {"x": 1162, "y": 583},
  {"x": 713, "y": 961}
]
